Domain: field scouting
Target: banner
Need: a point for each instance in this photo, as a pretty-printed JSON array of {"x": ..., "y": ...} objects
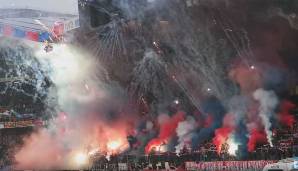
[
  {"x": 10, "y": 30},
  {"x": 21, "y": 124},
  {"x": 9, "y": 125},
  {"x": 38, "y": 36},
  {"x": 228, "y": 165}
]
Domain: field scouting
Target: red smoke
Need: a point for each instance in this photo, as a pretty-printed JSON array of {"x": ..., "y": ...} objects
[
  {"x": 167, "y": 129},
  {"x": 54, "y": 149},
  {"x": 221, "y": 135},
  {"x": 247, "y": 78},
  {"x": 154, "y": 143},
  {"x": 284, "y": 115},
  {"x": 256, "y": 137},
  {"x": 41, "y": 150}
]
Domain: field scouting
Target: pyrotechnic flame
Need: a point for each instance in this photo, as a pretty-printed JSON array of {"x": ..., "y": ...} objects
[
  {"x": 81, "y": 158},
  {"x": 233, "y": 147},
  {"x": 162, "y": 149},
  {"x": 114, "y": 145},
  {"x": 93, "y": 152},
  {"x": 159, "y": 147}
]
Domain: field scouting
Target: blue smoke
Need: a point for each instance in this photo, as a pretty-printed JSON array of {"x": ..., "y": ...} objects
[{"x": 215, "y": 108}]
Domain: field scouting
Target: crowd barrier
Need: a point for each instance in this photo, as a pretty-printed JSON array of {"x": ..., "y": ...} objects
[
  {"x": 228, "y": 165},
  {"x": 189, "y": 166},
  {"x": 21, "y": 124}
]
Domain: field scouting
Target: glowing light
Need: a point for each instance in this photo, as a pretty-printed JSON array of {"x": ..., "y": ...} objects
[
  {"x": 162, "y": 149},
  {"x": 87, "y": 87},
  {"x": 81, "y": 159},
  {"x": 114, "y": 145},
  {"x": 93, "y": 152},
  {"x": 159, "y": 148},
  {"x": 62, "y": 117},
  {"x": 176, "y": 101},
  {"x": 252, "y": 67},
  {"x": 208, "y": 89},
  {"x": 233, "y": 147}
]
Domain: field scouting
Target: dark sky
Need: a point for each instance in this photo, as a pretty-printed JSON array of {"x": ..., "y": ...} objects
[{"x": 273, "y": 35}]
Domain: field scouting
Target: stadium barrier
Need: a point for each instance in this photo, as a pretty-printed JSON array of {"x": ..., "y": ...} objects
[
  {"x": 228, "y": 165},
  {"x": 21, "y": 124}
]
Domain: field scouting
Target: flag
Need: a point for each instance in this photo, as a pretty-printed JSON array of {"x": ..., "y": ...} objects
[
  {"x": 7, "y": 30},
  {"x": 34, "y": 36},
  {"x": 19, "y": 33},
  {"x": 44, "y": 36}
]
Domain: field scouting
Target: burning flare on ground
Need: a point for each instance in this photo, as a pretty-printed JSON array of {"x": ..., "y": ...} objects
[{"x": 233, "y": 147}]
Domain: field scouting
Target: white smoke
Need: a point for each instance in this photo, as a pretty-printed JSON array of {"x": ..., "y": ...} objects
[
  {"x": 149, "y": 125},
  {"x": 85, "y": 100},
  {"x": 72, "y": 72},
  {"x": 268, "y": 102},
  {"x": 184, "y": 133}
]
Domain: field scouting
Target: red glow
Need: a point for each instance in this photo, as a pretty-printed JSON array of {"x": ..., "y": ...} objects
[
  {"x": 221, "y": 136},
  {"x": 284, "y": 115},
  {"x": 155, "y": 143},
  {"x": 62, "y": 116},
  {"x": 167, "y": 130},
  {"x": 256, "y": 137},
  {"x": 248, "y": 79}
]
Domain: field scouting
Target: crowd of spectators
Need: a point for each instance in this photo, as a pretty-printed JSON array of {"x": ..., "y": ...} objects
[{"x": 285, "y": 145}]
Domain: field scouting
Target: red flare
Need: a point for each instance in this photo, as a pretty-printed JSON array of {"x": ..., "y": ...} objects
[
  {"x": 256, "y": 137},
  {"x": 221, "y": 135},
  {"x": 167, "y": 130},
  {"x": 155, "y": 143}
]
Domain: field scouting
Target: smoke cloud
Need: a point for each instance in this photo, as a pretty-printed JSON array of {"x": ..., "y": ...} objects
[
  {"x": 88, "y": 107},
  {"x": 184, "y": 132},
  {"x": 167, "y": 129},
  {"x": 268, "y": 101}
]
